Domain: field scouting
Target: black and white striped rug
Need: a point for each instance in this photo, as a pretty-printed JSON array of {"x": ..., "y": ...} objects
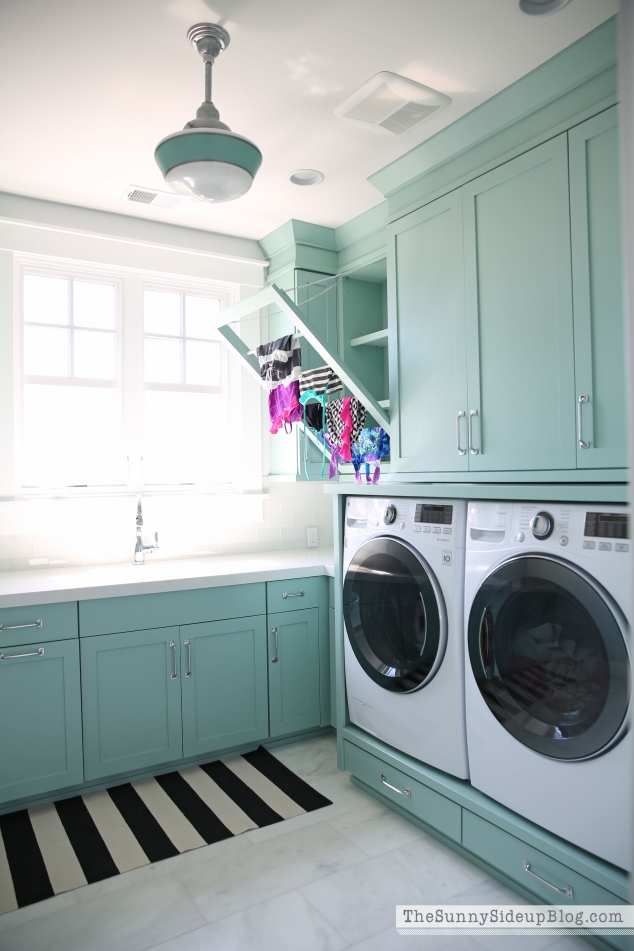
[{"x": 60, "y": 846}]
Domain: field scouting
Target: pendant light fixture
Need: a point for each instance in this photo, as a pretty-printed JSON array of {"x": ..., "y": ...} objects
[{"x": 206, "y": 160}]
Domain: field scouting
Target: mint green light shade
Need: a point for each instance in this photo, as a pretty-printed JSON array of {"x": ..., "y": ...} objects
[{"x": 214, "y": 165}]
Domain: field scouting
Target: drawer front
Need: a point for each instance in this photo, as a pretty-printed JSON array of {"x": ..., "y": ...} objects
[
  {"x": 142, "y": 612},
  {"x": 426, "y": 804},
  {"x": 292, "y": 595},
  {"x": 44, "y": 622},
  {"x": 508, "y": 853}
]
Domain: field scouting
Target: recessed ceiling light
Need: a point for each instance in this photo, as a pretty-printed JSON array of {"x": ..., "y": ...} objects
[
  {"x": 307, "y": 176},
  {"x": 540, "y": 8}
]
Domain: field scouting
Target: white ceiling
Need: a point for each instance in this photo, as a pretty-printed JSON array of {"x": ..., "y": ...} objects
[{"x": 91, "y": 86}]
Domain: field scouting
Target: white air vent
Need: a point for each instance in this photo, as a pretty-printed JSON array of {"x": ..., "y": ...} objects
[
  {"x": 391, "y": 104},
  {"x": 149, "y": 196}
]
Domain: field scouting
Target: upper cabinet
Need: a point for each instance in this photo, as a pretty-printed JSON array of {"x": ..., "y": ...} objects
[
  {"x": 519, "y": 313},
  {"x": 497, "y": 366},
  {"x": 596, "y": 276},
  {"x": 428, "y": 394}
]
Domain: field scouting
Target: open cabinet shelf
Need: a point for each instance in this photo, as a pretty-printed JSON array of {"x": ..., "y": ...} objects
[{"x": 376, "y": 339}]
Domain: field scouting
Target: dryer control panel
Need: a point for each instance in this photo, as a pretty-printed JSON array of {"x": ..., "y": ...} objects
[{"x": 553, "y": 526}]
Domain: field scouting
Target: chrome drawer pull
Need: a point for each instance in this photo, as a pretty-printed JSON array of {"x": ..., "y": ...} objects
[
  {"x": 277, "y": 646},
  {"x": 286, "y": 595},
  {"x": 401, "y": 792},
  {"x": 582, "y": 444},
  {"x": 566, "y": 890},
  {"x": 37, "y": 653},
  {"x": 15, "y": 627},
  {"x": 174, "y": 676},
  {"x": 188, "y": 645},
  {"x": 472, "y": 413}
]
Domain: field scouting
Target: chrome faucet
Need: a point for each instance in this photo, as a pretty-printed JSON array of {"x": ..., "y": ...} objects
[{"x": 140, "y": 549}]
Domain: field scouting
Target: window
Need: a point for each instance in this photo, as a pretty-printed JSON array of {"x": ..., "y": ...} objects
[
  {"x": 186, "y": 398},
  {"x": 71, "y": 408},
  {"x": 126, "y": 383}
]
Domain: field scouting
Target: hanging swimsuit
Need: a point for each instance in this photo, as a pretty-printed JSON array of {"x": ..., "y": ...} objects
[
  {"x": 284, "y": 407},
  {"x": 371, "y": 446},
  {"x": 314, "y": 385}
]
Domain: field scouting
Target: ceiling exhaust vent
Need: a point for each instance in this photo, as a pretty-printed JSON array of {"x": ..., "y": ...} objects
[
  {"x": 150, "y": 196},
  {"x": 391, "y": 104}
]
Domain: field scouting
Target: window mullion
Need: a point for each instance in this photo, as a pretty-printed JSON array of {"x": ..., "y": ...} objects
[
  {"x": 132, "y": 377},
  {"x": 183, "y": 343},
  {"x": 71, "y": 329}
]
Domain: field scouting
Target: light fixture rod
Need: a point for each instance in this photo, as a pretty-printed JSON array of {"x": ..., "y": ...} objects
[{"x": 208, "y": 67}]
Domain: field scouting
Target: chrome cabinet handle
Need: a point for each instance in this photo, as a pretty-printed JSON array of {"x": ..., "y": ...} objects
[
  {"x": 582, "y": 444},
  {"x": 472, "y": 413},
  {"x": 277, "y": 646},
  {"x": 188, "y": 645},
  {"x": 175, "y": 674},
  {"x": 401, "y": 792},
  {"x": 285, "y": 595},
  {"x": 566, "y": 890},
  {"x": 461, "y": 452},
  {"x": 15, "y": 627},
  {"x": 37, "y": 653}
]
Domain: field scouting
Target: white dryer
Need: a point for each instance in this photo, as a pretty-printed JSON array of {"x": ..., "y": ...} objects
[
  {"x": 548, "y": 669},
  {"x": 403, "y": 613}
]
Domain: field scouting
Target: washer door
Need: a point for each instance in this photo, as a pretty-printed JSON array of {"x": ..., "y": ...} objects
[
  {"x": 550, "y": 657},
  {"x": 395, "y": 614}
]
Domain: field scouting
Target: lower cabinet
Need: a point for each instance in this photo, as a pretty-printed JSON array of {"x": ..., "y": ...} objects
[
  {"x": 294, "y": 670},
  {"x": 224, "y": 684},
  {"x": 40, "y": 713},
  {"x": 131, "y": 701},
  {"x": 151, "y": 697}
]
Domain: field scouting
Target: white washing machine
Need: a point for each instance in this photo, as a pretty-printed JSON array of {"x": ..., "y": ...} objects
[
  {"x": 547, "y": 662},
  {"x": 403, "y": 612}
]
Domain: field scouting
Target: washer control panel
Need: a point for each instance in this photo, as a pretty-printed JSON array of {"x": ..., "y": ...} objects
[{"x": 422, "y": 521}]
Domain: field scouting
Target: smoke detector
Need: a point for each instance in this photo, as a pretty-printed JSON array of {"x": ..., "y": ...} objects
[
  {"x": 391, "y": 104},
  {"x": 139, "y": 195}
]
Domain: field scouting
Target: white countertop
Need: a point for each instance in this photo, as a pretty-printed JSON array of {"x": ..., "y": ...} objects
[{"x": 44, "y": 586}]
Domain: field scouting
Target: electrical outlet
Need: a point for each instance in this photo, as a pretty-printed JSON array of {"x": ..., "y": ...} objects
[{"x": 312, "y": 536}]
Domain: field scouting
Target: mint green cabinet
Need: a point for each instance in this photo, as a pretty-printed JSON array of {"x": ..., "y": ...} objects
[
  {"x": 224, "y": 684},
  {"x": 519, "y": 313},
  {"x": 598, "y": 305},
  {"x": 131, "y": 701},
  {"x": 428, "y": 366},
  {"x": 40, "y": 714},
  {"x": 294, "y": 671}
]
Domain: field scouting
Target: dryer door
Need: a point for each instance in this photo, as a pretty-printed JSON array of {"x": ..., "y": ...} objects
[
  {"x": 395, "y": 614},
  {"x": 549, "y": 653}
]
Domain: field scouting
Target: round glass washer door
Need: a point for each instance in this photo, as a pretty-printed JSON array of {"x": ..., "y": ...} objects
[
  {"x": 550, "y": 657},
  {"x": 395, "y": 614}
]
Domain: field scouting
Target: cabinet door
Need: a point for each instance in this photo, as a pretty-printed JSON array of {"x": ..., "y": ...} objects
[
  {"x": 131, "y": 697},
  {"x": 40, "y": 713},
  {"x": 294, "y": 671},
  {"x": 519, "y": 313},
  {"x": 224, "y": 684},
  {"x": 596, "y": 278},
  {"x": 427, "y": 345}
]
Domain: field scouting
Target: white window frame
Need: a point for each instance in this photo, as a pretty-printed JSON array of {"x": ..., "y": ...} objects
[{"x": 130, "y": 284}]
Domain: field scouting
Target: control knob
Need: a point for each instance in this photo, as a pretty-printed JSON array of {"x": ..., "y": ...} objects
[
  {"x": 389, "y": 514},
  {"x": 542, "y": 525}
]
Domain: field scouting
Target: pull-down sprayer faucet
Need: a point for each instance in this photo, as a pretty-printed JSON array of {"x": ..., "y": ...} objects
[{"x": 140, "y": 549}]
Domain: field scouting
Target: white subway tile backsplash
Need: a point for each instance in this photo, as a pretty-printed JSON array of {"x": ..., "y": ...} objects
[{"x": 51, "y": 533}]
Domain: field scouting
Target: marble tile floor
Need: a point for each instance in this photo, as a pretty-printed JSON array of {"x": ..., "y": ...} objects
[{"x": 323, "y": 881}]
